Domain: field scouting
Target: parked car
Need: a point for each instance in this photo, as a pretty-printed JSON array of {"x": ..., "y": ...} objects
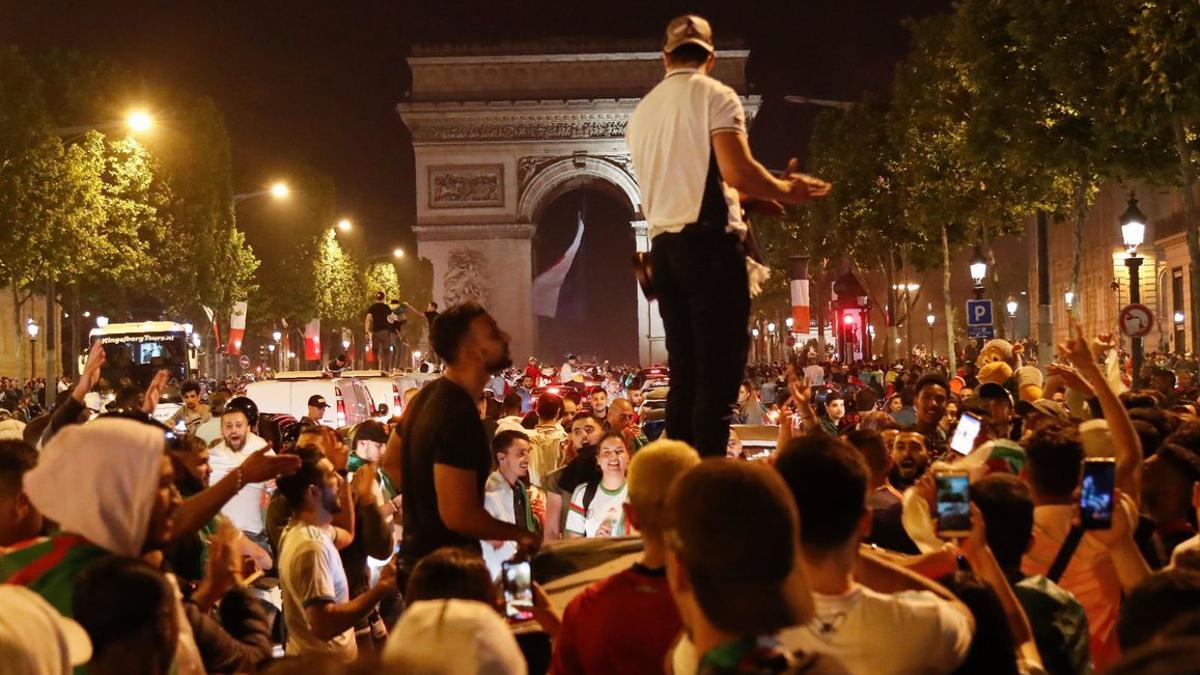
[{"x": 350, "y": 401}]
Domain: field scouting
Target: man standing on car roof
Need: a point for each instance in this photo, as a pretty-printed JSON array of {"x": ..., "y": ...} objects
[{"x": 687, "y": 139}]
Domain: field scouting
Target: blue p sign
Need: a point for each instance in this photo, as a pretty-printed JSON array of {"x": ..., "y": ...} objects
[{"x": 979, "y": 312}]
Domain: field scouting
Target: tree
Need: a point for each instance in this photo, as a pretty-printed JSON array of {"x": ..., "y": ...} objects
[
  {"x": 381, "y": 276},
  {"x": 1157, "y": 86}
]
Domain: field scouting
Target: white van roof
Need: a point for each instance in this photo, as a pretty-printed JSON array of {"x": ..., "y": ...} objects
[{"x": 304, "y": 375}]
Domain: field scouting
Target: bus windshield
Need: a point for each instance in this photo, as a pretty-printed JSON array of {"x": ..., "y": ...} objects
[{"x": 135, "y": 358}]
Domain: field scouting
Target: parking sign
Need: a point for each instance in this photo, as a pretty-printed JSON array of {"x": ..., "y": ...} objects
[{"x": 979, "y": 312}]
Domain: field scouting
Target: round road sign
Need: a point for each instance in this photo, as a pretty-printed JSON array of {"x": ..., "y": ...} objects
[
  {"x": 1136, "y": 320},
  {"x": 244, "y": 362}
]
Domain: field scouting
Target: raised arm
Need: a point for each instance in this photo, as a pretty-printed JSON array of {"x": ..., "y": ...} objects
[{"x": 1127, "y": 446}]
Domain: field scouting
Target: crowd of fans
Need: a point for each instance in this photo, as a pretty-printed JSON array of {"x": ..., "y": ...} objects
[{"x": 127, "y": 546}]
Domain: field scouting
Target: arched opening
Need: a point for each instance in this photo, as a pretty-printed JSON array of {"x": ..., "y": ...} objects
[{"x": 597, "y": 306}]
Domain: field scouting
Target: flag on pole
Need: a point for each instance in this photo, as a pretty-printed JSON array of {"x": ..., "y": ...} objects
[
  {"x": 798, "y": 271},
  {"x": 237, "y": 328},
  {"x": 312, "y": 340},
  {"x": 212, "y": 319},
  {"x": 548, "y": 285}
]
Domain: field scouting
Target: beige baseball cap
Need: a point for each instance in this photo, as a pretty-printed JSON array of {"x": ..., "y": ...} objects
[
  {"x": 35, "y": 639},
  {"x": 688, "y": 29}
]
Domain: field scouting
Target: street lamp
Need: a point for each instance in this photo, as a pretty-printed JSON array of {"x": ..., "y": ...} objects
[
  {"x": 979, "y": 267},
  {"x": 196, "y": 340},
  {"x": 344, "y": 225},
  {"x": 33, "y": 329},
  {"x": 277, "y": 336},
  {"x": 397, "y": 253},
  {"x": 1069, "y": 296},
  {"x": 930, "y": 319},
  {"x": 101, "y": 321},
  {"x": 1133, "y": 232},
  {"x": 139, "y": 121},
  {"x": 278, "y": 190},
  {"x": 1011, "y": 305}
]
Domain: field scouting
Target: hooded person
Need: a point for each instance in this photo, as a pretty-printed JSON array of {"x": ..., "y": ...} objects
[{"x": 109, "y": 486}]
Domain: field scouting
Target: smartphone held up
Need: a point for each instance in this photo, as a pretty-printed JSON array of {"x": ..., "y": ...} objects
[
  {"x": 953, "y": 503},
  {"x": 1096, "y": 489},
  {"x": 516, "y": 582}
]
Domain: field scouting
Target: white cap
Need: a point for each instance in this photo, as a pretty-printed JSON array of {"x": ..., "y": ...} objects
[
  {"x": 35, "y": 639},
  {"x": 483, "y": 644}
]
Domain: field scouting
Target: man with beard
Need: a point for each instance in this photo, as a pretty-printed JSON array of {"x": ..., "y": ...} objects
[
  {"x": 237, "y": 444},
  {"x": 447, "y": 456},
  {"x": 101, "y": 511},
  {"x": 317, "y": 609},
  {"x": 929, "y": 398},
  {"x": 910, "y": 459}
]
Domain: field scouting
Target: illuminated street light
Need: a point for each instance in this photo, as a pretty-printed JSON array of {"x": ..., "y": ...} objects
[
  {"x": 1069, "y": 296},
  {"x": 978, "y": 268},
  {"x": 33, "y": 329},
  {"x": 1179, "y": 317},
  {"x": 344, "y": 225},
  {"x": 87, "y": 315},
  {"x": 196, "y": 340},
  {"x": 101, "y": 321},
  {"x": 345, "y": 344},
  {"x": 277, "y": 336},
  {"x": 139, "y": 121},
  {"x": 1133, "y": 226},
  {"x": 790, "y": 322},
  {"x": 397, "y": 253},
  {"x": 771, "y": 327},
  {"x": 280, "y": 190}
]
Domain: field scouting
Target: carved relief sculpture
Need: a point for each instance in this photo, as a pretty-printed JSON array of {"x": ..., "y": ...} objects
[
  {"x": 466, "y": 278},
  {"x": 466, "y": 186}
]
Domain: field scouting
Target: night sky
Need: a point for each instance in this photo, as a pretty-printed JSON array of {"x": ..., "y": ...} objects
[{"x": 315, "y": 83}]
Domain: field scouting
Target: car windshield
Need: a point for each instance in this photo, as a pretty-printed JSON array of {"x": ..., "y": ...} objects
[{"x": 134, "y": 359}]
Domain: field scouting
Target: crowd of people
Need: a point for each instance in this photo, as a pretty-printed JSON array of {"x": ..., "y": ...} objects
[
  {"x": 128, "y": 547},
  {"x": 507, "y": 521}
]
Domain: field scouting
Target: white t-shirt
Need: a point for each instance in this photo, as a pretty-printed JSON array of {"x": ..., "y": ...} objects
[
  {"x": 873, "y": 633},
  {"x": 310, "y": 571},
  {"x": 606, "y": 505},
  {"x": 669, "y": 138},
  {"x": 246, "y": 508}
]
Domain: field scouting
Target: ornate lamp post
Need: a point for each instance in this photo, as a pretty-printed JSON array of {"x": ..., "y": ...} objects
[
  {"x": 930, "y": 319},
  {"x": 1133, "y": 233},
  {"x": 1011, "y": 306},
  {"x": 33, "y": 329}
]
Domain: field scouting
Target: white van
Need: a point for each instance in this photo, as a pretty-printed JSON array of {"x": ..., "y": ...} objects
[
  {"x": 349, "y": 399},
  {"x": 389, "y": 389}
]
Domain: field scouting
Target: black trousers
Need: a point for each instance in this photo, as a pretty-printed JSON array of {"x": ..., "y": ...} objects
[{"x": 703, "y": 297}]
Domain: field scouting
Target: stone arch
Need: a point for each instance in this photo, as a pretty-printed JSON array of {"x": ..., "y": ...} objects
[{"x": 566, "y": 174}]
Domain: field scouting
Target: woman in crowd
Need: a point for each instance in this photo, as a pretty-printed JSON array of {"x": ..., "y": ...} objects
[{"x": 596, "y": 508}]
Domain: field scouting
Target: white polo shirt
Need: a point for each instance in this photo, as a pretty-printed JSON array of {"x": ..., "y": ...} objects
[{"x": 669, "y": 138}]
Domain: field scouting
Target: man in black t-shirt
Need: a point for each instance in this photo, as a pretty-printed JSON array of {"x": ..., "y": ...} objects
[
  {"x": 377, "y": 326},
  {"x": 447, "y": 454}
]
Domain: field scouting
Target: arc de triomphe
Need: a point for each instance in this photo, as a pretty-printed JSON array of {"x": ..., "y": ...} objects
[{"x": 499, "y": 133}]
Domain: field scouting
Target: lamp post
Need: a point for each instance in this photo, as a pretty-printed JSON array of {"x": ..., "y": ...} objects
[
  {"x": 979, "y": 267},
  {"x": 277, "y": 336},
  {"x": 930, "y": 319},
  {"x": 771, "y": 341},
  {"x": 278, "y": 190},
  {"x": 1011, "y": 306},
  {"x": 33, "y": 329},
  {"x": 1133, "y": 232},
  {"x": 755, "y": 333}
]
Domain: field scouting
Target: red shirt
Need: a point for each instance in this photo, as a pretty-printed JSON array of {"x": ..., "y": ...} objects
[{"x": 623, "y": 624}]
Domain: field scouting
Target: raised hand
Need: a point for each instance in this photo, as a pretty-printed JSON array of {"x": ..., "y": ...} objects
[
  {"x": 260, "y": 467},
  {"x": 91, "y": 372},
  {"x": 154, "y": 391}
]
